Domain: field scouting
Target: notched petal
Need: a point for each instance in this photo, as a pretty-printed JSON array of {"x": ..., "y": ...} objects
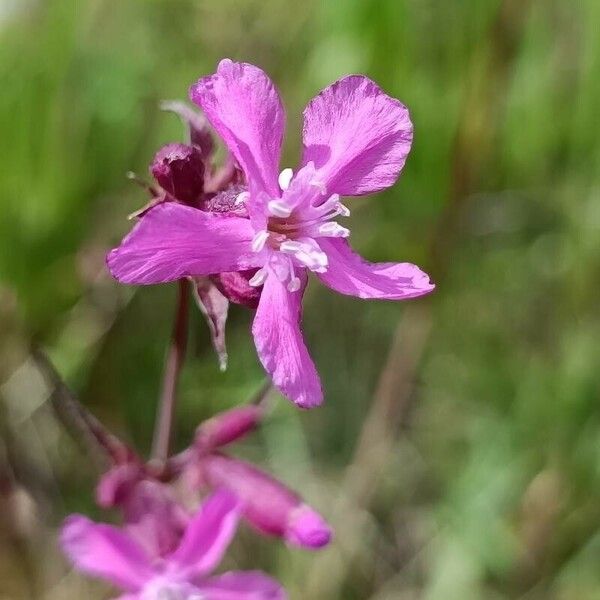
[
  {"x": 172, "y": 241},
  {"x": 350, "y": 274},
  {"x": 279, "y": 343},
  {"x": 357, "y": 136},
  {"x": 243, "y": 106}
]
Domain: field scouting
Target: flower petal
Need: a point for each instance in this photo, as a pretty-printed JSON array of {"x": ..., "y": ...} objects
[
  {"x": 214, "y": 306},
  {"x": 244, "y": 107},
  {"x": 105, "y": 552},
  {"x": 350, "y": 274},
  {"x": 357, "y": 136},
  {"x": 154, "y": 518},
  {"x": 197, "y": 127},
  {"x": 207, "y": 535},
  {"x": 279, "y": 343},
  {"x": 172, "y": 241},
  {"x": 267, "y": 503},
  {"x": 240, "y": 585}
]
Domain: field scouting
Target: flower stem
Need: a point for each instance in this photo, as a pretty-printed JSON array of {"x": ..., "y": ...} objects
[{"x": 173, "y": 365}]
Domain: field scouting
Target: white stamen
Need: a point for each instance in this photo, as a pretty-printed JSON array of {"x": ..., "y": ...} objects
[
  {"x": 284, "y": 178},
  {"x": 278, "y": 208},
  {"x": 321, "y": 259},
  {"x": 258, "y": 278},
  {"x": 294, "y": 284},
  {"x": 318, "y": 183},
  {"x": 333, "y": 229},
  {"x": 241, "y": 198},
  {"x": 329, "y": 206},
  {"x": 259, "y": 240},
  {"x": 342, "y": 210},
  {"x": 315, "y": 260},
  {"x": 290, "y": 247},
  {"x": 331, "y": 203}
]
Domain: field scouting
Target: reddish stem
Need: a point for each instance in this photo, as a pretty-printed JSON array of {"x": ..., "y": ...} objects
[{"x": 173, "y": 364}]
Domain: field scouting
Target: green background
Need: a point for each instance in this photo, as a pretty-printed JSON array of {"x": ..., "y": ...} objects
[{"x": 458, "y": 452}]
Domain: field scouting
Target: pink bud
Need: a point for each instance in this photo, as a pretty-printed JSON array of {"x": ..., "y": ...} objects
[
  {"x": 151, "y": 513},
  {"x": 117, "y": 484},
  {"x": 227, "y": 426},
  {"x": 268, "y": 505},
  {"x": 307, "y": 528}
]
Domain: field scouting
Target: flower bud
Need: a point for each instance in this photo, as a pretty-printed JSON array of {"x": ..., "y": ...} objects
[
  {"x": 307, "y": 528},
  {"x": 151, "y": 513},
  {"x": 227, "y": 426},
  {"x": 116, "y": 485},
  {"x": 235, "y": 287},
  {"x": 267, "y": 504},
  {"x": 179, "y": 169}
]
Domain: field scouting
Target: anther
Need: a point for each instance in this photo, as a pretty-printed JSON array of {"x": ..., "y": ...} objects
[
  {"x": 259, "y": 240},
  {"x": 258, "y": 278},
  {"x": 284, "y": 178},
  {"x": 333, "y": 229},
  {"x": 290, "y": 247},
  {"x": 342, "y": 210},
  {"x": 279, "y": 209}
]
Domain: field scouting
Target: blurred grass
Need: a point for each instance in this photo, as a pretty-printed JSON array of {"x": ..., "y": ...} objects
[{"x": 489, "y": 487}]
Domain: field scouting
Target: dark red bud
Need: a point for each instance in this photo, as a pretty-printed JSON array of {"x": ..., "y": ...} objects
[
  {"x": 235, "y": 287},
  {"x": 179, "y": 169}
]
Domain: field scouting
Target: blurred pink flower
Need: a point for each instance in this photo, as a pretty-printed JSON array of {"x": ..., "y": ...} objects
[
  {"x": 356, "y": 140},
  {"x": 112, "y": 554},
  {"x": 266, "y": 503},
  {"x": 156, "y": 519}
]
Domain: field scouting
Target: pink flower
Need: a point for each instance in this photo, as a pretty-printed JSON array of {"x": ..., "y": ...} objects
[
  {"x": 356, "y": 139},
  {"x": 155, "y": 517},
  {"x": 109, "y": 553},
  {"x": 266, "y": 503}
]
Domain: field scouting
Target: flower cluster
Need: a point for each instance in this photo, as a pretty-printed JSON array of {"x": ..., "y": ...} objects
[
  {"x": 247, "y": 233},
  {"x": 170, "y": 542}
]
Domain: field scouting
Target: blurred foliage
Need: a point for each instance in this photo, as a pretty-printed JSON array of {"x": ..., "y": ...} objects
[{"x": 490, "y": 485}]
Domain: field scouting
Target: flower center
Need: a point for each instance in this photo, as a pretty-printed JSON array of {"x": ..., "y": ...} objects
[
  {"x": 292, "y": 233},
  {"x": 293, "y": 225},
  {"x": 159, "y": 589}
]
